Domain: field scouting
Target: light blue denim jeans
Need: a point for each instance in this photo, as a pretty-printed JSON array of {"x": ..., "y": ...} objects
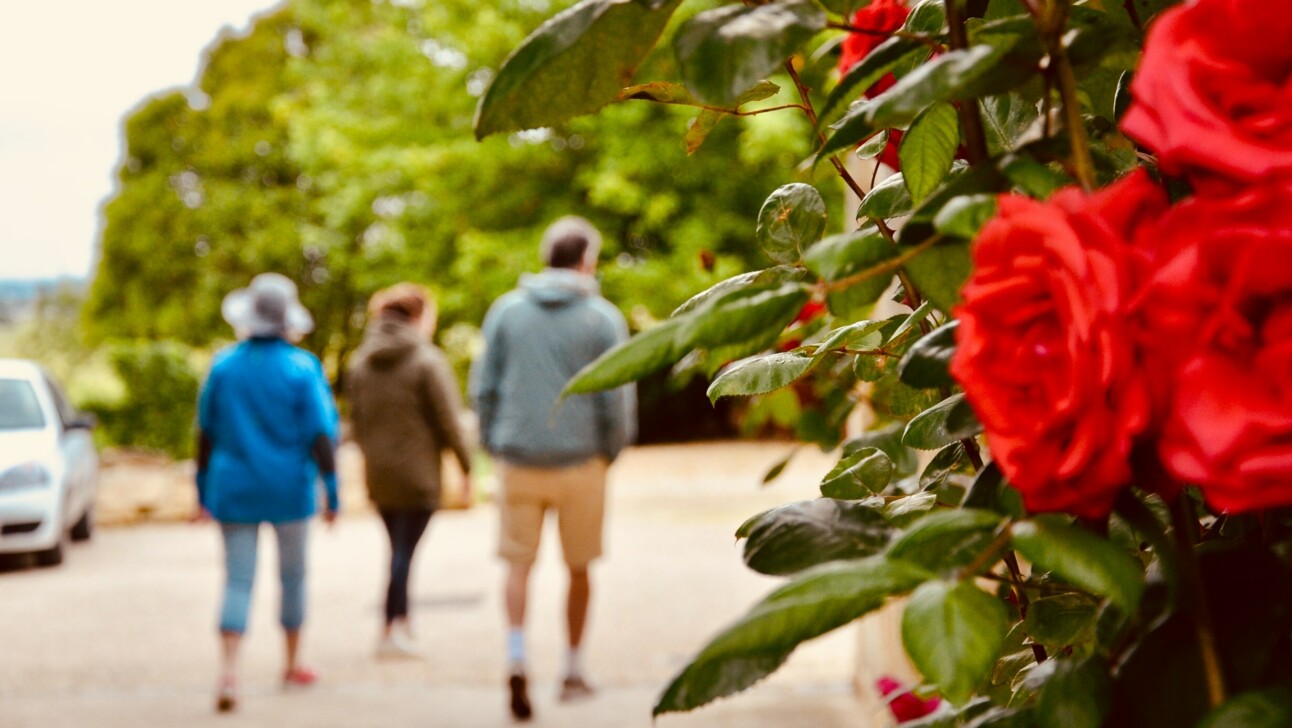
[{"x": 240, "y": 547}]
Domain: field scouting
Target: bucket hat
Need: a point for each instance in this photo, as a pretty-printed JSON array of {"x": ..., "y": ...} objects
[{"x": 267, "y": 307}]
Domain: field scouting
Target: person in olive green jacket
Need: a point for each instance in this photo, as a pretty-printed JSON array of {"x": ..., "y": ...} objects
[{"x": 405, "y": 410}]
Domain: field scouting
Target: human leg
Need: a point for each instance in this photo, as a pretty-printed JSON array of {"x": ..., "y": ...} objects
[
  {"x": 522, "y": 507},
  {"x": 240, "y": 575},
  {"x": 404, "y": 527},
  {"x": 581, "y": 515},
  {"x": 292, "y": 541}
]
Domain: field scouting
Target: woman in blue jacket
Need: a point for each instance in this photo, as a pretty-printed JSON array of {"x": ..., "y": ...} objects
[{"x": 267, "y": 433}]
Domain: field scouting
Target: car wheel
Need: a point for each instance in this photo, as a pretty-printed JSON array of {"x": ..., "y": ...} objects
[
  {"x": 50, "y": 557},
  {"x": 84, "y": 528}
]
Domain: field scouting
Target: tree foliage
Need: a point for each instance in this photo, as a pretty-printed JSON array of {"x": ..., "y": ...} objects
[{"x": 334, "y": 143}]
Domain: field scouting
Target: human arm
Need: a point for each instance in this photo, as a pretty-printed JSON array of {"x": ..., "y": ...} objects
[
  {"x": 486, "y": 378},
  {"x": 443, "y": 407}
]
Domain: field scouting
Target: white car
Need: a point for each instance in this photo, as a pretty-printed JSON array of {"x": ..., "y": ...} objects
[{"x": 49, "y": 467}]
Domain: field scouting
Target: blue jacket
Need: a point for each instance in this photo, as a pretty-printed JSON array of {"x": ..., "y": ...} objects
[
  {"x": 536, "y": 338},
  {"x": 263, "y": 407}
]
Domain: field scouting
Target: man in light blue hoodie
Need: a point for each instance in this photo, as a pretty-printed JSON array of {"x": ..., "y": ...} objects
[{"x": 551, "y": 454}]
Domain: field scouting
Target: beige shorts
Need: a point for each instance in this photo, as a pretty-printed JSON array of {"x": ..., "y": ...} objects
[{"x": 578, "y": 495}]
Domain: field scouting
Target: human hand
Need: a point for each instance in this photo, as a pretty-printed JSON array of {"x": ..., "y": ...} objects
[
  {"x": 329, "y": 517},
  {"x": 199, "y": 515}
]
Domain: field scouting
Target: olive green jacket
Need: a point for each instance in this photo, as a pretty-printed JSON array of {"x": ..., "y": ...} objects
[{"x": 405, "y": 410}]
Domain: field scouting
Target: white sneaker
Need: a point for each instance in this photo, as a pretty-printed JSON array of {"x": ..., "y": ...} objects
[{"x": 397, "y": 646}]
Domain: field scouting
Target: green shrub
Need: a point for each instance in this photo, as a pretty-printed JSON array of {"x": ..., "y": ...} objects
[{"x": 156, "y": 404}]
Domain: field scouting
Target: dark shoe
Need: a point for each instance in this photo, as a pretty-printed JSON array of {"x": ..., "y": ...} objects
[
  {"x": 227, "y": 698},
  {"x": 520, "y": 709},
  {"x": 575, "y": 688}
]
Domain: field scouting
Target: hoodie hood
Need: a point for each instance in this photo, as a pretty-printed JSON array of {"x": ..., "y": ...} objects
[
  {"x": 555, "y": 287},
  {"x": 388, "y": 342}
]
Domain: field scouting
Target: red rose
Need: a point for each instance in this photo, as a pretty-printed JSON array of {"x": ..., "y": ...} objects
[
  {"x": 1213, "y": 93},
  {"x": 1217, "y": 325},
  {"x": 1045, "y": 354},
  {"x": 879, "y": 19},
  {"x": 905, "y": 706}
]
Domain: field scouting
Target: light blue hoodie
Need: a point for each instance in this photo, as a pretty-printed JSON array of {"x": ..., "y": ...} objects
[{"x": 536, "y": 338}]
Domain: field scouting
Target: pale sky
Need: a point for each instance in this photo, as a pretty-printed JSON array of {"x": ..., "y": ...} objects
[{"x": 69, "y": 73}]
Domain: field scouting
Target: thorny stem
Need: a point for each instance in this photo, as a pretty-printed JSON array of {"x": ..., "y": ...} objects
[
  {"x": 811, "y": 115},
  {"x": 1083, "y": 165},
  {"x": 1186, "y": 533},
  {"x": 970, "y": 115},
  {"x": 1015, "y": 573},
  {"x": 755, "y": 112},
  {"x": 1133, "y": 13}
]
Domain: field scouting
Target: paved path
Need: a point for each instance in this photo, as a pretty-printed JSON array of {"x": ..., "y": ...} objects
[{"x": 122, "y": 634}]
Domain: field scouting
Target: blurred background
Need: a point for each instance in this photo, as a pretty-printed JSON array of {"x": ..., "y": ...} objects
[{"x": 155, "y": 156}]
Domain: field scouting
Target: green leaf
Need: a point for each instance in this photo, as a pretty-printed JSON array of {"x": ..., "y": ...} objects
[
  {"x": 758, "y": 375},
  {"x": 775, "y": 471},
  {"x": 1077, "y": 694},
  {"x": 953, "y": 76},
  {"x": 949, "y": 460},
  {"x": 1033, "y": 178},
  {"x": 665, "y": 92},
  {"x": 925, "y": 363},
  {"x": 810, "y": 605},
  {"x": 948, "y": 539},
  {"x": 908, "y": 509},
  {"x": 953, "y": 632},
  {"x": 1009, "y": 122},
  {"x": 886, "y": 200},
  {"x": 878, "y": 63},
  {"x": 1081, "y": 558},
  {"x": 888, "y": 439},
  {"x": 858, "y": 474},
  {"x": 988, "y": 491},
  {"x": 928, "y": 148},
  {"x": 797, "y": 536},
  {"x": 911, "y": 320},
  {"x": 1270, "y": 708},
  {"x": 791, "y": 219},
  {"x": 643, "y": 354},
  {"x": 725, "y": 51},
  {"x": 928, "y": 430},
  {"x": 964, "y": 216},
  {"x": 939, "y": 272},
  {"x": 1061, "y": 620},
  {"x": 928, "y": 17},
  {"x": 847, "y": 255},
  {"x": 741, "y": 315},
  {"x": 858, "y": 335},
  {"x": 575, "y": 63},
  {"x": 771, "y": 276},
  {"x": 874, "y": 146}
]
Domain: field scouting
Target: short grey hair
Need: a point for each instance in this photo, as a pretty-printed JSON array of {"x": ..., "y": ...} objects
[{"x": 562, "y": 240}]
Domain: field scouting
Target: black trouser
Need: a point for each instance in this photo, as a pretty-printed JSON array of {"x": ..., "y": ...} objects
[{"x": 405, "y": 528}]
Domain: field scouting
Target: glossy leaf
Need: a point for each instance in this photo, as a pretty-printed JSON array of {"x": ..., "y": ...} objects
[
  {"x": 874, "y": 146},
  {"x": 908, "y": 509},
  {"x": 1077, "y": 694},
  {"x": 928, "y": 430},
  {"x": 697, "y": 131},
  {"x": 858, "y": 474},
  {"x": 643, "y": 354},
  {"x": 878, "y": 63},
  {"x": 1061, "y": 620},
  {"x": 810, "y": 605},
  {"x": 770, "y": 276},
  {"x": 928, "y": 148},
  {"x": 925, "y": 363},
  {"x": 953, "y": 632},
  {"x": 939, "y": 273},
  {"x": 964, "y": 216},
  {"x": 1081, "y": 558},
  {"x": 1009, "y": 122},
  {"x": 573, "y": 64},
  {"x": 760, "y": 374},
  {"x": 947, "y": 539},
  {"x": 952, "y": 76},
  {"x": 796, "y": 536},
  {"x": 886, "y": 200},
  {"x": 741, "y": 315},
  {"x": 791, "y": 219},
  {"x": 949, "y": 460},
  {"x": 725, "y": 51}
]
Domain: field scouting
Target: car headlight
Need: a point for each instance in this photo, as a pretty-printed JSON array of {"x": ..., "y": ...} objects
[{"x": 28, "y": 475}]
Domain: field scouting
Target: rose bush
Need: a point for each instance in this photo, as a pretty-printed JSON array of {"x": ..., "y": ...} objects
[{"x": 1112, "y": 321}]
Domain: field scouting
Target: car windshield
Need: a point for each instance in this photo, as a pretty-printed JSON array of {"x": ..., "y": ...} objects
[{"x": 19, "y": 409}]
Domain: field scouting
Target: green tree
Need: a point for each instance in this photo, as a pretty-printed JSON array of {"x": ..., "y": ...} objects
[{"x": 334, "y": 143}]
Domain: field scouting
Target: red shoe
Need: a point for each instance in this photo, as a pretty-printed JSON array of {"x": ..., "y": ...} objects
[{"x": 301, "y": 677}]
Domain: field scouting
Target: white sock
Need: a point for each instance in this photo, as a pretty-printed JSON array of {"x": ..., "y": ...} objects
[
  {"x": 516, "y": 649},
  {"x": 574, "y": 662}
]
